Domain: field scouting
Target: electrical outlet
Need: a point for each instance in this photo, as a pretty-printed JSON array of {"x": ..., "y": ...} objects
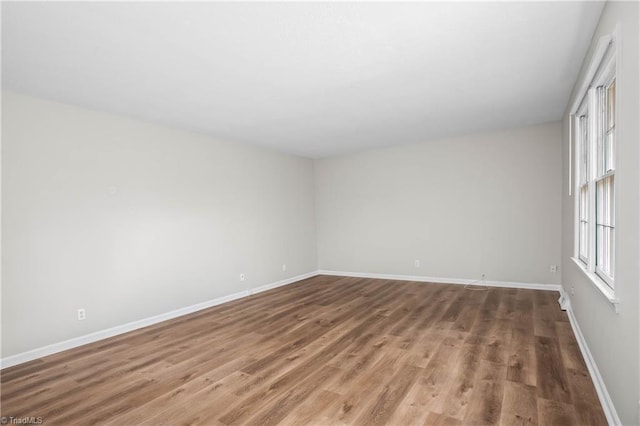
[
  {"x": 573, "y": 290},
  {"x": 416, "y": 263},
  {"x": 284, "y": 267},
  {"x": 241, "y": 277},
  {"x": 82, "y": 314},
  {"x": 553, "y": 268}
]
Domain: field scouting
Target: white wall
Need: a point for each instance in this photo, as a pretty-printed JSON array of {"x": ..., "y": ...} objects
[
  {"x": 613, "y": 338},
  {"x": 478, "y": 204},
  {"x": 129, "y": 220}
]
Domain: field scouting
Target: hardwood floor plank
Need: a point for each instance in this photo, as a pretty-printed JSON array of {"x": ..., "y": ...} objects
[
  {"x": 496, "y": 341},
  {"x": 436, "y": 419},
  {"x": 469, "y": 313},
  {"x": 521, "y": 356},
  {"x": 357, "y": 361},
  {"x": 307, "y": 412},
  {"x": 457, "y": 399},
  {"x": 544, "y": 319},
  {"x": 326, "y": 351},
  {"x": 583, "y": 394},
  {"x": 487, "y": 313},
  {"x": 280, "y": 408},
  {"x": 390, "y": 396},
  {"x": 440, "y": 301},
  {"x": 162, "y": 405},
  {"x": 353, "y": 402},
  {"x": 430, "y": 390},
  {"x": 556, "y": 413},
  {"x": 507, "y": 308},
  {"x": 239, "y": 413},
  {"x": 519, "y": 405},
  {"x": 486, "y": 404},
  {"x": 523, "y": 315},
  {"x": 571, "y": 355},
  {"x": 426, "y": 347},
  {"x": 551, "y": 376}
]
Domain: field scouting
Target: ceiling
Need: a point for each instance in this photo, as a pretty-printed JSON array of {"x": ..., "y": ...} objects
[{"x": 311, "y": 79}]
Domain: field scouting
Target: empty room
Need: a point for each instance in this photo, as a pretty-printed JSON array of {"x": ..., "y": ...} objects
[{"x": 320, "y": 213}]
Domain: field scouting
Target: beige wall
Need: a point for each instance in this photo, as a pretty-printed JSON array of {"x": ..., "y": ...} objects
[
  {"x": 130, "y": 220},
  {"x": 613, "y": 338},
  {"x": 478, "y": 204}
]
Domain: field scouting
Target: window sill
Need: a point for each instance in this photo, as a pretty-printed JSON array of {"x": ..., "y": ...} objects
[{"x": 600, "y": 285}]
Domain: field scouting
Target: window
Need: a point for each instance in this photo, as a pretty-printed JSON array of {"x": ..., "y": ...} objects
[
  {"x": 583, "y": 193},
  {"x": 594, "y": 130},
  {"x": 605, "y": 183}
]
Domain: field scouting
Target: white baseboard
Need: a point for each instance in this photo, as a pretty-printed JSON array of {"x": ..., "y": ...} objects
[
  {"x": 605, "y": 400},
  {"x": 440, "y": 280},
  {"x": 131, "y": 326},
  {"x": 282, "y": 282}
]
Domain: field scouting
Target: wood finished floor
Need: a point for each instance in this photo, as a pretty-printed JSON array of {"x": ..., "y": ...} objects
[{"x": 327, "y": 351}]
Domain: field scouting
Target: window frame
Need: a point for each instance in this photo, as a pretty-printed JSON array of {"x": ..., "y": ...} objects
[
  {"x": 582, "y": 183},
  {"x": 601, "y": 173},
  {"x": 589, "y": 114}
]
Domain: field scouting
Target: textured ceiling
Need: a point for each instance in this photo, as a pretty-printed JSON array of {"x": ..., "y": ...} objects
[{"x": 312, "y": 79}]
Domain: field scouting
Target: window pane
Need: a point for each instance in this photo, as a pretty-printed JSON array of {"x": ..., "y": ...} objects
[
  {"x": 606, "y": 155},
  {"x": 609, "y": 134},
  {"x": 601, "y": 130},
  {"x": 605, "y": 226},
  {"x": 583, "y": 227},
  {"x": 611, "y": 202},
  {"x": 611, "y": 105},
  {"x": 583, "y": 239},
  {"x": 584, "y": 151},
  {"x": 609, "y": 153},
  {"x": 611, "y": 236},
  {"x": 584, "y": 192},
  {"x": 600, "y": 245}
]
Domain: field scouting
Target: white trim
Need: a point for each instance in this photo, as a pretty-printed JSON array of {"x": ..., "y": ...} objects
[
  {"x": 605, "y": 399},
  {"x": 571, "y": 120},
  {"x": 596, "y": 59},
  {"x": 564, "y": 301},
  {"x": 440, "y": 280},
  {"x": 281, "y": 283},
  {"x": 135, "y": 325}
]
